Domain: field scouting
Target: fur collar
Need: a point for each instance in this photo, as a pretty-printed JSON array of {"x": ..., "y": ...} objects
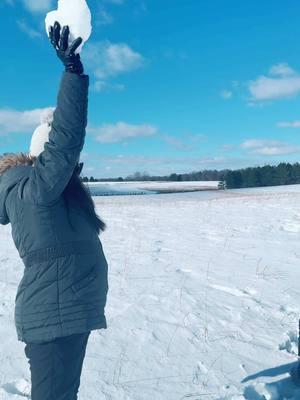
[{"x": 8, "y": 160}]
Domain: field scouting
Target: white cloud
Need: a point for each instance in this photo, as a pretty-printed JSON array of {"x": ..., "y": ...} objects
[
  {"x": 37, "y": 5},
  {"x": 282, "y": 69},
  {"x": 269, "y": 147},
  {"x": 110, "y": 59},
  {"x": 114, "y": 133},
  {"x": 13, "y": 121},
  {"x": 226, "y": 94},
  {"x": 103, "y": 17},
  {"x": 254, "y": 143},
  {"x": 292, "y": 124},
  {"x": 101, "y": 86},
  {"x": 282, "y": 82},
  {"x": 282, "y": 149},
  {"x": 28, "y": 29},
  {"x": 265, "y": 88},
  {"x": 141, "y": 159}
]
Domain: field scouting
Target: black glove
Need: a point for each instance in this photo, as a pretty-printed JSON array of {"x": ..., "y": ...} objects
[{"x": 65, "y": 52}]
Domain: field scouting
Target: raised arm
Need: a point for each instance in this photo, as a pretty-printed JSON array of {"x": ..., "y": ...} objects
[{"x": 54, "y": 167}]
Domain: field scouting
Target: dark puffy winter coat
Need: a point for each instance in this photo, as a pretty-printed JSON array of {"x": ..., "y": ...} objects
[{"x": 64, "y": 286}]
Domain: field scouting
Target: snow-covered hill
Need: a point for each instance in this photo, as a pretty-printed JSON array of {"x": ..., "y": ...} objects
[{"x": 203, "y": 301}]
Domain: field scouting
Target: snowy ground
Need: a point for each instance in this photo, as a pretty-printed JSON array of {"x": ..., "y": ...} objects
[
  {"x": 203, "y": 300},
  {"x": 119, "y": 188}
]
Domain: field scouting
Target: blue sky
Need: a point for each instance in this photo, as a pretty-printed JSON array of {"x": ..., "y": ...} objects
[{"x": 175, "y": 86}]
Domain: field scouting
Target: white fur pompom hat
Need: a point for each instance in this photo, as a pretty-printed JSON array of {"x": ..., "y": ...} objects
[{"x": 41, "y": 134}]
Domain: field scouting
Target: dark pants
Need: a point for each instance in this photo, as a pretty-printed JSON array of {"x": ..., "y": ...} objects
[{"x": 56, "y": 367}]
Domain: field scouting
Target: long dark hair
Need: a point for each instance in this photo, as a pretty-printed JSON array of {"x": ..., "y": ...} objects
[{"x": 77, "y": 194}]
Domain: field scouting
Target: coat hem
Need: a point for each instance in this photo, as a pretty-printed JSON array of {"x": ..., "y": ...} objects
[{"x": 45, "y": 336}]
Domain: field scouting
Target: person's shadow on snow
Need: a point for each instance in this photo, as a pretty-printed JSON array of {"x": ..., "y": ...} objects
[{"x": 283, "y": 388}]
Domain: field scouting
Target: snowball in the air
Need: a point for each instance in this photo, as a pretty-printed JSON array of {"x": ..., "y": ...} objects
[{"x": 74, "y": 13}]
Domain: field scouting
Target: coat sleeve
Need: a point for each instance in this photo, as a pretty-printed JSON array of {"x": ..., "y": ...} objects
[{"x": 54, "y": 167}]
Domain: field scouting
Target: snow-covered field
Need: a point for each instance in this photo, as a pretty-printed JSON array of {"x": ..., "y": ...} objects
[
  {"x": 147, "y": 187},
  {"x": 203, "y": 300}
]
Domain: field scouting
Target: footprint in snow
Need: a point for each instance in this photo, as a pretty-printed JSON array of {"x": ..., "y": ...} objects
[
  {"x": 291, "y": 344},
  {"x": 20, "y": 387},
  {"x": 231, "y": 290}
]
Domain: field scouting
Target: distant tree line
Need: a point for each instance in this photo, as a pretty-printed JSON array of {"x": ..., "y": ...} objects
[
  {"x": 206, "y": 175},
  {"x": 268, "y": 175},
  {"x": 282, "y": 174}
]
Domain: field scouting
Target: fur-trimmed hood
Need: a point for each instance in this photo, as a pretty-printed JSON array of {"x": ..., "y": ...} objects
[
  {"x": 9, "y": 160},
  {"x": 9, "y": 177}
]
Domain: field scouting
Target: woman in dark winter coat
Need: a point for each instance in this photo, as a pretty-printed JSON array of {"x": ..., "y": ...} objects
[{"x": 62, "y": 294}]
